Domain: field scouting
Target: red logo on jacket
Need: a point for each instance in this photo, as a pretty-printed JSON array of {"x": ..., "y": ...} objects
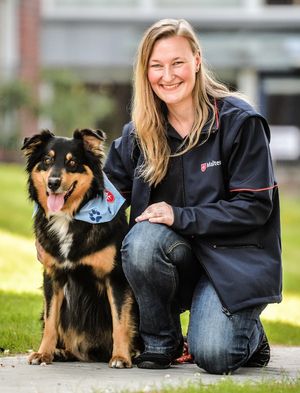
[{"x": 203, "y": 167}]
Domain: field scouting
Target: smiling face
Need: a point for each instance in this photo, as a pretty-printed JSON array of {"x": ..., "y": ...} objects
[
  {"x": 61, "y": 177},
  {"x": 64, "y": 171},
  {"x": 172, "y": 70}
]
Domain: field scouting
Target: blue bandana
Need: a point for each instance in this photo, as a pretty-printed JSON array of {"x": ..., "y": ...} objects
[{"x": 102, "y": 208}]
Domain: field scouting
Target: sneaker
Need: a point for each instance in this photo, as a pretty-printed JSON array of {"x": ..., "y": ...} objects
[
  {"x": 155, "y": 360},
  {"x": 151, "y": 360},
  {"x": 261, "y": 356}
]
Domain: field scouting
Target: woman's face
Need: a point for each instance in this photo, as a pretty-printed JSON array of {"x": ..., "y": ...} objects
[{"x": 172, "y": 70}]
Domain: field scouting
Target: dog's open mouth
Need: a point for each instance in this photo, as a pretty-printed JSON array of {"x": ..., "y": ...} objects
[{"x": 56, "y": 201}]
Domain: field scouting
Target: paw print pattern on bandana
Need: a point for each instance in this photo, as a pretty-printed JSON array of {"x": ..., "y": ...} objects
[{"x": 95, "y": 215}]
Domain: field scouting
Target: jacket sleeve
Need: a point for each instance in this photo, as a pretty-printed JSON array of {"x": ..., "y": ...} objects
[
  {"x": 119, "y": 164},
  {"x": 250, "y": 185}
]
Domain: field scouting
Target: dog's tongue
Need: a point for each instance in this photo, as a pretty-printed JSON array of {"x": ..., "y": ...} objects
[{"x": 55, "y": 202}]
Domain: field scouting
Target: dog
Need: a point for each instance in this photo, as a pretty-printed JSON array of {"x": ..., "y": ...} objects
[{"x": 80, "y": 221}]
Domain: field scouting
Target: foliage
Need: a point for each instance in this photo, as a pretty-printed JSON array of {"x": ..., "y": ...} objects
[
  {"x": 65, "y": 104},
  {"x": 13, "y": 95},
  {"x": 69, "y": 104}
]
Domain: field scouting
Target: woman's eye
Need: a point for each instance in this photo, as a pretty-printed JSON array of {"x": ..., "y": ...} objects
[
  {"x": 155, "y": 66},
  {"x": 177, "y": 63}
]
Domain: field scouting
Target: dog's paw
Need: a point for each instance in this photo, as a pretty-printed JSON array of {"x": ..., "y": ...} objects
[
  {"x": 120, "y": 362},
  {"x": 39, "y": 358}
]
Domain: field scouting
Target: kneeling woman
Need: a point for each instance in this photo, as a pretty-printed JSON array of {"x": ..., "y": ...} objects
[{"x": 195, "y": 166}]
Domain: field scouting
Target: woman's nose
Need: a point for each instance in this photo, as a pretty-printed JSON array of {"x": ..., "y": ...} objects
[{"x": 167, "y": 73}]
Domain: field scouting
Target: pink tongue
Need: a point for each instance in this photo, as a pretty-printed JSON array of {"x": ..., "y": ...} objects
[{"x": 55, "y": 202}]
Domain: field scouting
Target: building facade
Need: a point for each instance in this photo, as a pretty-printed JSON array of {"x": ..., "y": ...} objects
[{"x": 253, "y": 45}]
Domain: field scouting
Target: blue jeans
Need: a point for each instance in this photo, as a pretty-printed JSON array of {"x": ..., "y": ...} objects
[{"x": 166, "y": 278}]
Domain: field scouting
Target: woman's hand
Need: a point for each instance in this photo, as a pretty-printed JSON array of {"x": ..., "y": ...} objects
[
  {"x": 159, "y": 213},
  {"x": 40, "y": 252}
]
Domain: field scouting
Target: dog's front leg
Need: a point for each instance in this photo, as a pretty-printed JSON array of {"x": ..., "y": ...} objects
[
  {"x": 123, "y": 327},
  {"x": 50, "y": 334}
]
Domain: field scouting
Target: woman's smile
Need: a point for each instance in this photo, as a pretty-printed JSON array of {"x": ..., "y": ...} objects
[
  {"x": 171, "y": 87},
  {"x": 172, "y": 69}
]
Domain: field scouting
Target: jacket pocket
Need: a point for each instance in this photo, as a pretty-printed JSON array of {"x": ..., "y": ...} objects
[
  {"x": 233, "y": 245},
  {"x": 253, "y": 239}
]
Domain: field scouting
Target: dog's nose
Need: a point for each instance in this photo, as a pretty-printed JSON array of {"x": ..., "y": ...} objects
[{"x": 54, "y": 183}]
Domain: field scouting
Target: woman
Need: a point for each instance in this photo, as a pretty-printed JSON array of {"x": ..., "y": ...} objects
[{"x": 195, "y": 166}]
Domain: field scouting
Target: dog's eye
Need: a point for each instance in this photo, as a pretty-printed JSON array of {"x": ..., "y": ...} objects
[
  {"x": 48, "y": 160},
  {"x": 72, "y": 163}
]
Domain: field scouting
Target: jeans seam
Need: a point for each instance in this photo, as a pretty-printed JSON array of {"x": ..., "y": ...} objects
[{"x": 176, "y": 244}]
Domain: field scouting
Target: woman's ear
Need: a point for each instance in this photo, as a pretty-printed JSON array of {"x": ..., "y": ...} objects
[{"x": 197, "y": 62}]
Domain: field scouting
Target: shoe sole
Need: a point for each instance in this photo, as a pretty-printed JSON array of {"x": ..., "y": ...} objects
[{"x": 153, "y": 365}]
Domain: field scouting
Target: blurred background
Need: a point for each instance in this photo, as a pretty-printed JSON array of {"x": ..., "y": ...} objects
[{"x": 67, "y": 64}]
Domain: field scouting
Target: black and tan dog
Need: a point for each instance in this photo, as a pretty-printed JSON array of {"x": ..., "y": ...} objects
[{"x": 88, "y": 306}]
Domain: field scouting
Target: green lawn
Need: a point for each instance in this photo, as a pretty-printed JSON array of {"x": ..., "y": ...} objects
[
  {"x": 21, "y": 274},
  {"x": 227, "y": 385}
]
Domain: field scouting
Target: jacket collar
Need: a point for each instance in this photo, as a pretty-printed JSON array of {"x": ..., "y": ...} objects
[
  {"x": 171, "y": 132},
  {"x": 205, "y": 130}
]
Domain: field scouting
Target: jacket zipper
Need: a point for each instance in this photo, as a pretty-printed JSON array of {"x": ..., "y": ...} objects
[
  {"x": 182, "y": 175},
  {"x": 223, "y": 246},
  {"x": 224, "y": 306}
]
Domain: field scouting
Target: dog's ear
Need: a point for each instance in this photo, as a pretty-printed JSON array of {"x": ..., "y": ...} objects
[
  {"x": 32, "y": 143},
  {"x": 92, "y": 140}
]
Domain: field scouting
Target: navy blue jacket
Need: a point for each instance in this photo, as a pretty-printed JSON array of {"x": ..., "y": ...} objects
[{"x": 231, "y": 205}]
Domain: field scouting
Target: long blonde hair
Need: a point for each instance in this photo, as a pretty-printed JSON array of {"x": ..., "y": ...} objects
[{"x": 149, "y": 112}]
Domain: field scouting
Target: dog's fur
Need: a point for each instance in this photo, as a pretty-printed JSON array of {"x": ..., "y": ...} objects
[{"x": 89, "y": 310}]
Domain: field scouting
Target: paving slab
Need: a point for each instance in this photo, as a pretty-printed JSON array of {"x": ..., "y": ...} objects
[{"x": 16, "y": 376}]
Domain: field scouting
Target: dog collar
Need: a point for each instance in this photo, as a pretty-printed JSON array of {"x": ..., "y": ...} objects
[{"x": 101, "y": 209}]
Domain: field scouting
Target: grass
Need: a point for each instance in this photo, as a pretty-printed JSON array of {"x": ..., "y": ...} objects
[
  {"x": 21, "y": 274},
  {"x": 227, "y": 385},
  {"x": 20, "y": 321},
  {"x": 15, "y": 208}
]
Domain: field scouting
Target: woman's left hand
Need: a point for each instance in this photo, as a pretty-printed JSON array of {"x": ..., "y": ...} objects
[{"x": 160, "y": 213}]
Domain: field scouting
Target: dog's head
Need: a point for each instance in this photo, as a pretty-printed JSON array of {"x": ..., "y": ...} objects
[{"x": 64, "y": 172}]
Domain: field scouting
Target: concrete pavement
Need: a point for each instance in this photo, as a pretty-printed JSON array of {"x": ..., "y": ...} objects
[{"x": 16, "y": 376}]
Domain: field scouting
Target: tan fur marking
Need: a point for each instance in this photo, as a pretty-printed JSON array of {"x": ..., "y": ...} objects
[
  {"x": 30, "y": 149},
  {"x": 49, "y": 340},
  {"x": 48, "y": 262},
  {"x": 93, "y": 144},
  {"x": 69, "y": 157},
  {"x": 123, "y": 329},
  {"x": 84, "y": 181},
  {"x": 75, "y": 343},
  {"x": 40, "y": 180},
  {"x": 102, "y": 261},
  {"x": 50, "y": 333}
]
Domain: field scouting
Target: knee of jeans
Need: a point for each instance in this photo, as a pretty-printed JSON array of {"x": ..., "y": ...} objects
[
  {"x": 215, "y": 358},
  {"x": 139, "y": 246}
]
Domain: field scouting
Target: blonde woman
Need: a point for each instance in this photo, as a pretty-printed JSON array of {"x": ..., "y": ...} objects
[{"x": 195, "y": 167}]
